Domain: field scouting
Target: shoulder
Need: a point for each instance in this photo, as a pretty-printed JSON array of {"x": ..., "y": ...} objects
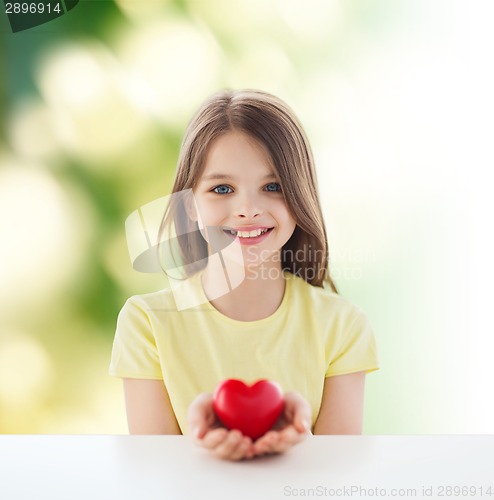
[
  {"x": 179, "y": 295},
  {"x": 150, "y": 300},
  {"x": 142, "y": 308},
  {"x": 343, "y": 328},
  {"x": 323, "y": 301}
]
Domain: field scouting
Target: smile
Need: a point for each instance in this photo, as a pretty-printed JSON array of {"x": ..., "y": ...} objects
[
  {"x": 249, "y": 237},
  {"x": 248, "y": 234}
]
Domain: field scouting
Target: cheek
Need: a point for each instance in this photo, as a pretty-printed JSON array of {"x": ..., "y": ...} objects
[
  {"x": 204, "y": 210},
  {"x": 210, "y": 213},
  {"x": 285, "y": 216},
  {"x": 291, "y": 225}
]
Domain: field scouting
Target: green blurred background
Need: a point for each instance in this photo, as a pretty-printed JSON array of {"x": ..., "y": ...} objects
[{"x": 395, "y": 96}]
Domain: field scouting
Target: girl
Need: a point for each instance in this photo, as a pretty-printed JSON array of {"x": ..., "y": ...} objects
[{"x": 258, "y": 301}]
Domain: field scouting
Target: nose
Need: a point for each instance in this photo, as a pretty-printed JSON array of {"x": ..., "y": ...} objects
[{"x": 247, "y": 207}]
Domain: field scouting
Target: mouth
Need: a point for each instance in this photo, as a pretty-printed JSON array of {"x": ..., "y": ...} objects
[{"x": 248, "y": 234}]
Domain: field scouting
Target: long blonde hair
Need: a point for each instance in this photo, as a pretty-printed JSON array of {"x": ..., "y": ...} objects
[{"x": 273, "y": 125}]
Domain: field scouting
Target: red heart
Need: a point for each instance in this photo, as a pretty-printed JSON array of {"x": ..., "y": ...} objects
[{"x": 252, "y": 410}]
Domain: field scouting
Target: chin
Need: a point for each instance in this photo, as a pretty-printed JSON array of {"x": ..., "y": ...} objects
[{"x": 260, "y": 256}]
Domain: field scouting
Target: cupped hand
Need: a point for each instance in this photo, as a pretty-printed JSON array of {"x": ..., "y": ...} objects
[
  {"x": 208, "y": 432},
  {"x": 292, "y": 427}
]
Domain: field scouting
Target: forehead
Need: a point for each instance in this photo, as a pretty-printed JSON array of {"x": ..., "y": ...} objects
[{"x": 239, "y": 153}]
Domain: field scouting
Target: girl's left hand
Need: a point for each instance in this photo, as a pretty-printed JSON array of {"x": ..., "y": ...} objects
[{"x": 292, "y": 427}]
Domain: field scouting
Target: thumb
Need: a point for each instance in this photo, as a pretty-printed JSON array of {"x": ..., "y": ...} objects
[
  {"x": 198, "y": 414},
  {"x": 302, "y": 412}
]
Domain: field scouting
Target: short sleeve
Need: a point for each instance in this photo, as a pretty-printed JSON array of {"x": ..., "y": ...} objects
[
  {"x": 134, "y": 353},
  {"x": 357, "y": 348}
]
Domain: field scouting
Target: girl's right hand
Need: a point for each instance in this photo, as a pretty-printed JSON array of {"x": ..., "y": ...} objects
[{"x": 209, "y": 433}]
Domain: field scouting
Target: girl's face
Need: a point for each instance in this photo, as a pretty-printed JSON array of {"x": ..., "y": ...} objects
[{"x": 238, "y": 193}]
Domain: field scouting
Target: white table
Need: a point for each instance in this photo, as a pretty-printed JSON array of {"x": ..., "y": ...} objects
[{"x": 61, "y": 467}]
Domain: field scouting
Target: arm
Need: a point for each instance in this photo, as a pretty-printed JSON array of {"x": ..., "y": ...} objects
[
  {"x": 148, "y": 407},
  {"x": 342, "y": 406}
]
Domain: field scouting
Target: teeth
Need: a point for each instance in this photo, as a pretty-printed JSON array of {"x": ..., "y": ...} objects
[{"x": 248, "y": 234}]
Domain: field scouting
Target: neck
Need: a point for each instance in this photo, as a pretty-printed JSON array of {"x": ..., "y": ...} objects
[{"x": 244, "y": 293}]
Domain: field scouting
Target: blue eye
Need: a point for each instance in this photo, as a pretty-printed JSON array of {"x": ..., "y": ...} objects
[
  {"x": 273, "y": 187},
  {"x": 223, "y": 189}
]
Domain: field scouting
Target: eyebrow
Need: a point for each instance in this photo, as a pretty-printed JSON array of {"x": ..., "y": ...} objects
[{"x": 218, "y": 176}]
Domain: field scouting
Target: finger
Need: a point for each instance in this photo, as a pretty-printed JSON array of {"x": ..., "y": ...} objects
[
  {"x": 267, "y": 438},
  {"x": 242, "y": 449},
  {"x": 298, "y": 411},
  {"x": 291, "y": 434},
  {"x": 251, "y": 452},
  {"x": 267, "y": 443},
  {"x": 288, "y": 438},
  {"x": 213, "y": 438},
  {"x": 228, "y": 446}
]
